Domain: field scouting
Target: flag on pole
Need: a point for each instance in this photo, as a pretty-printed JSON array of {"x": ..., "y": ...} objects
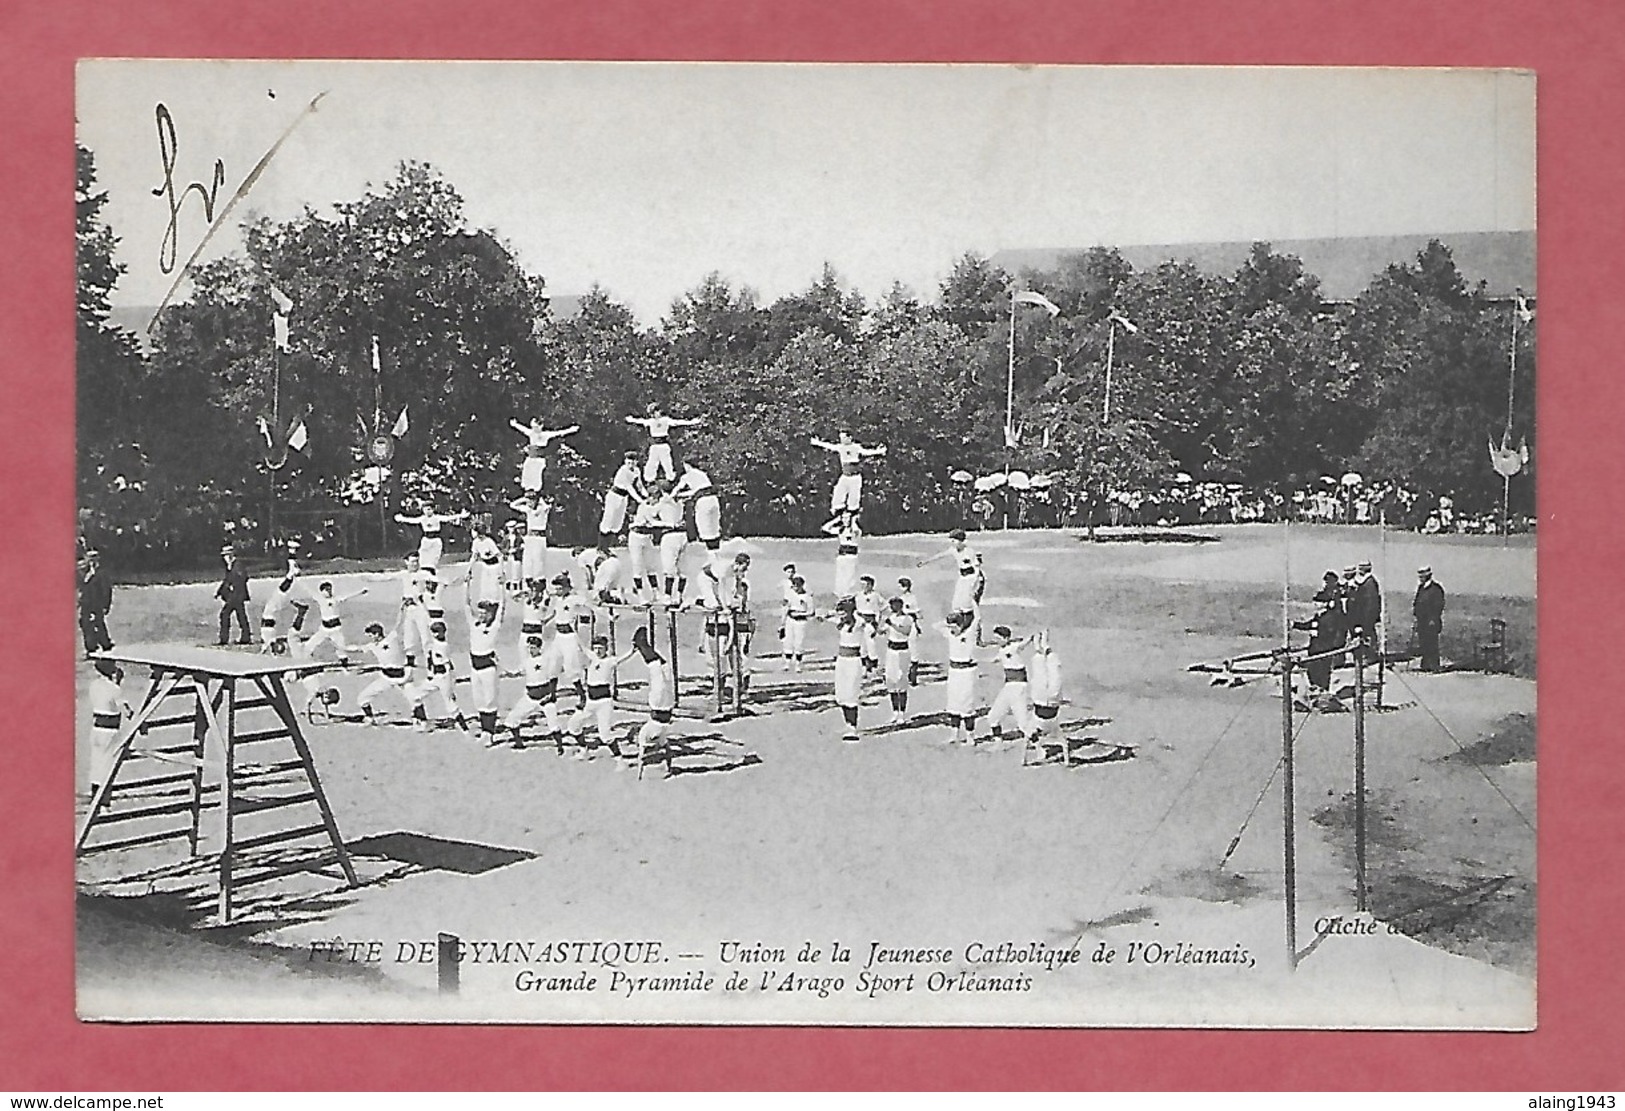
[
  {"x": 279, "y": 324},
  {"x": 1525, "y": 313},
  {"x": 284, "y": 303},
  {"x": 376, "y": 366},
  {"x": 1047, "y": 430},
  {"x": 265, "y": 430},
  {"x": 1012, "y": 435},
  {"x": 400, "y": 424},
  {"x": 1030, "y": 297},
  {"x": 298, "y": 437},
  {"x": 1507, "y": 460},
  {"x": 1128, "y": 326}
]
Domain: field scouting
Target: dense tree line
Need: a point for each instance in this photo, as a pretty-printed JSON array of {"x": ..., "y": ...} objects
[{"x": 1250, "y": 378}]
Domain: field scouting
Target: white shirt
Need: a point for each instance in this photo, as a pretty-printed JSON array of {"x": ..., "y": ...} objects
[
  {"x": 482, "y": 638},
  {"x": 439, "y": 653},
  {"x": 661, "y": 696},
  {"x": 962, "y": 646},
  {"x": 411, "y": 586},
  {"x": 327, "y": 608},
  {"x": 485, "y": 549},
  {"x": 644, "y": 515},
  {"x": 533, "y": 612},
  {"x": 105, "y": 696},
  {"x": 536, "y": 517},
  {"x": 669, "y": 512},
  {"x": 600, "y": 670},
  {"x": 569, "y": 608},
  {"x": 693, "y": 482},
  {"x": 626, "y": 478},
  {"x": 388, "y": 652},
  {"x": 539, "y": 669}
]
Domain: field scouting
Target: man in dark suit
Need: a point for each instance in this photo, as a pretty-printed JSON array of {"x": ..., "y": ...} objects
[
  {"x": 1428, "y": 612},
  {"x": 1365, "y": 612},
  {"x": 1326, "y": 634},
  {"x": 233, "y": 595},
  {"x": 95, "y": 602}
]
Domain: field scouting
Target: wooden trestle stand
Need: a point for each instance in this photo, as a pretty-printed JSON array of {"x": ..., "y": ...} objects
[{"x": 182, "y": 755}]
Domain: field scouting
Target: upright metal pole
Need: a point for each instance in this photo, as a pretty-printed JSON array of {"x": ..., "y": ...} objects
[
  {"x": 1288, "y": 830},
  {"x": 1382, "y": 624},
  {"x": 1286, "y": 580},
  {"x": 1359, "y": 783}
]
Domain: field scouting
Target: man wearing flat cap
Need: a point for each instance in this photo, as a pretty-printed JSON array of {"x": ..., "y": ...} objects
[
  {"x": 233, "y": 595},
  {"x": 1428, "y": 611}
]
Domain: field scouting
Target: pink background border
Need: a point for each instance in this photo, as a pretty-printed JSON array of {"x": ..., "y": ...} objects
[{"x": 1578, "y": 49}]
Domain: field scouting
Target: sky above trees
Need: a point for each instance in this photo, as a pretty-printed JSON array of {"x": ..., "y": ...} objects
[{"x": 642, "y": 179}]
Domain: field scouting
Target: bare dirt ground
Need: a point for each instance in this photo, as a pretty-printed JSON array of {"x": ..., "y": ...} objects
[{"x": 1165, "y": 850}]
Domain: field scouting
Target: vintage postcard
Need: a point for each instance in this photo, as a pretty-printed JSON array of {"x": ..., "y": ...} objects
[{"x": 806, "y": 544}]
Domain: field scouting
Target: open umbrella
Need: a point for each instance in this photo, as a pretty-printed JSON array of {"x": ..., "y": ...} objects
[
  {"x": 1042, "y": 481},
  {"x": 1352, "y": 479},
  {"x": 1019, "y": 480},
  {"x": 960, "y": 476}
]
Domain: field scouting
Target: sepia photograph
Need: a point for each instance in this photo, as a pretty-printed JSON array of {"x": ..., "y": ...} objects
[{"x": 805, "y": 544}]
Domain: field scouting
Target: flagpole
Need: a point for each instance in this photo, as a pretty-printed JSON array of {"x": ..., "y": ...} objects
[
  {"x": 1111, "y": 338},
  {"x": 1506, "y": 497},
  {"x": 1506, "y": 440},
  {"x": 1009, "y": 406},
  {"x": 1512, "y": 368},
  {"x": 276, "y": 426},
  {"x": 1010, "y": 374}
]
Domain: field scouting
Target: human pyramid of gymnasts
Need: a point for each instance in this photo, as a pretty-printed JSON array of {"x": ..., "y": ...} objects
[
  {"x": 561, "y": 651},
  {"x": 880, "y": 637},
  {"x": 564, "y": 654}
]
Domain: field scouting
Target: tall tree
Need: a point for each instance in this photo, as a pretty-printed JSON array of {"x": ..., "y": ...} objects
[
  {"x": 1437, "y": 355},
  {"x": 456, "y": 320},
  {"x": 116, "y": 493}
]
